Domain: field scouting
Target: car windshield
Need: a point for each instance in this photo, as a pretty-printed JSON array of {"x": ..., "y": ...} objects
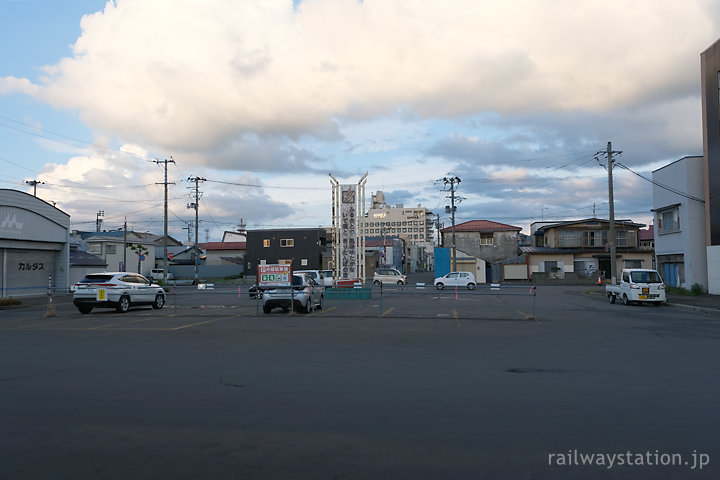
[
  {"x": 646, "y": 277},
  {"x": 96, "y": 278}
]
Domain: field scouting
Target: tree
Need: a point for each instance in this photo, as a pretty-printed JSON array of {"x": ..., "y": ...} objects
[{"x": 139, "y": 250}]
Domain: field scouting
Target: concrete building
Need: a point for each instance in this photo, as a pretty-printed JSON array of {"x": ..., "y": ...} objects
[
  {"x": 680, "y": 234},
  {"x": 34, "y": 246},
  {"x": 710, "y": 86},
  {"x": 485, "y": 240},
  {"x": 411, "y": 224}
]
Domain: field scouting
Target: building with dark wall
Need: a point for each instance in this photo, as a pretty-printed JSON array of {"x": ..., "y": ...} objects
[
  {"x": 710, "y": 68},
  {"x": 710, "y": 81},
  {"x": 302, "y": 248}
]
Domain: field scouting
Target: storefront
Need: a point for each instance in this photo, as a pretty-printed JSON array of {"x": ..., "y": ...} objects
[{"x": 34, "y": 247}]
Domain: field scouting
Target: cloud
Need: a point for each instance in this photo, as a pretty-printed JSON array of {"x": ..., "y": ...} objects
[
  {"x": 10, "y": 85},
  {"x": 183, "y": 75}
]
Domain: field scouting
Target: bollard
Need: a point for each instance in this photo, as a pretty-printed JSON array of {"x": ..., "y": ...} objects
[{"x": 51, "y": 308}]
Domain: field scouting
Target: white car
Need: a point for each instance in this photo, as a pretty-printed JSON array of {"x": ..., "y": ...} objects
[
  {"x": 327, "y": 277},
  {"x": 456, "y": 279},
  {"x": 389, "y": 276},
  {"x": 118, "y": 290},
  {"x": 304, "y": 294}
]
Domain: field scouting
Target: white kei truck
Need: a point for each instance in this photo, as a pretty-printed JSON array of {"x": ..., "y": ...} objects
[{"x": 638, "y": 285}]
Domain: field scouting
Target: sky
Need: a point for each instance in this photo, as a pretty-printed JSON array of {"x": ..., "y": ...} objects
[{"x": 265, "y": 98}]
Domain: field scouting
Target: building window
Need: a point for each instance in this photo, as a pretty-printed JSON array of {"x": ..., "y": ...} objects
[
  {"x": 569, "y": 238},
  {"x": 266, "y": 242},
  {"x": 111, "y": 249},
  {"x": 633, "y": 263},
  {"x": 486, "y": 239},
  {"x": 595, "y": 238},
  {"x": 669, "y": 220},
  {"x": 287, "y": 242},
  {"x": 95, "y": 248},
  {"x": 624, "y": 238}
]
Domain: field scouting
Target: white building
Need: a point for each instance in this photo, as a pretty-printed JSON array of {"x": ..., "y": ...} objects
[
  {"x": 680, "y": 241},
  {"x": 412, "y": 224}
]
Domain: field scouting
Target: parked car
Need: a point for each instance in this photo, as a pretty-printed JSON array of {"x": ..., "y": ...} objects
[
  {"x": 456, "y": 279},
  {"x": 316, "y": 275},
  {"x": 254, "y": 291},
  {"x": 638, "y": 285},
  {"x": 327, "y": 277},
  {"x": 156, "y": 274},
  {"x": 118, "y": 290},
  {"x": 389, "y": 275},
  {"x": 304, "y": 294}
]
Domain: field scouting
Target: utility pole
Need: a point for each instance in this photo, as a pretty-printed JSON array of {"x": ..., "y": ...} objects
[
  {"x": 98, "y": 222},
  {"x": 34, "y": 184},
  {"x": 612, "y": 240},
  {"x": 124, "y": 269},
  {"x": 165, "y": 219},
  {"x": 195, "y": 205},
  {"x": 453, "y": 252}
]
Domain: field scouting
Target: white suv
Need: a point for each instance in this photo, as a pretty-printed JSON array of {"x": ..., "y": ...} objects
[
  {"x": 389, "y": 275},
  {"x": 119, "y": 290}
]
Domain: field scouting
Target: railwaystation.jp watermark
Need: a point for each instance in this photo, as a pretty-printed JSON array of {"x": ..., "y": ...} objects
[{"x": 574, "y": 458}]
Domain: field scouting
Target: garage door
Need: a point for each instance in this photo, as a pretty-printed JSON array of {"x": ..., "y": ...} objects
[{"x": 28, "y": 272}]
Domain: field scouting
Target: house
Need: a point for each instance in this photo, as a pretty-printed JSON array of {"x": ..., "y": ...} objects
[
  {"x": 224, "y": 253},
  {"x": 579, "y": 249},
  {"x": 302, "y": 248},
  {"x": 679, "y": 207},
  {"x": 482, "y": 239}
]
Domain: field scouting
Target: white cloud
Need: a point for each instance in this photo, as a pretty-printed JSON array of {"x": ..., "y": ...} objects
[{"x": 184, "y": 75}]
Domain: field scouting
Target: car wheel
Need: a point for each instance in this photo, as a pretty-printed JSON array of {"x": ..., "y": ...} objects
[
  {"x": 320, "y": 305},
  {"x": 159, "y": 302},
  {"x": 266, "y": 309},
  {"x": 400, "y": 282},
  {"x": 85, "y": 309},
  {"x": 439, "y": 286},
  {"x": 471, "y": 286},
  {"x": 626, "y": 301},
  {"x": 123, "y": 304},
  {"x": 377, "y": 283},
  {"x": 611, "y": 298}
]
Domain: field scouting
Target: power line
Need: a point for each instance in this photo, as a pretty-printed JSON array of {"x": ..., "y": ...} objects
[{"x": 658, "y": 184}]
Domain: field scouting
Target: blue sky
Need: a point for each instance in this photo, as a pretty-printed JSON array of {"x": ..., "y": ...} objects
[{"x": 265, "y": 98}]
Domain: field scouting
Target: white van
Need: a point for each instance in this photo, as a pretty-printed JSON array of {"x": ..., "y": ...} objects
[{"x": 157, "y": 274}]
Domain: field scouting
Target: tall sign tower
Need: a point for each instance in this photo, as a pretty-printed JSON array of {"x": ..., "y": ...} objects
[{"x": 348, "y": 241}]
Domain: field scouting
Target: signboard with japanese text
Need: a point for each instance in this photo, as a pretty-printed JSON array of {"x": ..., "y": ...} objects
[
  {"x": 348, "y": 232},
  {"x": 274, "y": 275}
]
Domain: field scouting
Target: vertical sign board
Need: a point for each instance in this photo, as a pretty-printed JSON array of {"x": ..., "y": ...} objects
[
  {"x": 274, "y": 275},
  {"x": 348, "y": 232}
]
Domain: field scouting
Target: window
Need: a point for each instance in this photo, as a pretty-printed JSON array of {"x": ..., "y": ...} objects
[
  {"x": 111, "y": 249},
  {"x": 95, "y": 248},
  {"x": 669, "y": 220},
  {"x": 595, "y": 238},
  {"x": 633, "y": 263},
  {"x": 569, "y": 238},
  {"x": 266, "y": 242},
  {"x": 624, "y": 238},
  {"x": 486, "y": 239},
  {"x": 287, "y": 242}
]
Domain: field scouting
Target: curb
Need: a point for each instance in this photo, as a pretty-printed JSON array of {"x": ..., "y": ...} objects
[{"x": 694, "y": 308}]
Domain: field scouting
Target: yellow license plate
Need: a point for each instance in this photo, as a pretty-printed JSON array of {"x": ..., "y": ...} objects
[
  {"x": 642, "y": 297},
  {"x": 101, "y": 295}
]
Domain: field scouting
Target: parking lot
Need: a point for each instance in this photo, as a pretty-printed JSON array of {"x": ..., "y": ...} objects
[{"x": 416, "y": 383}]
